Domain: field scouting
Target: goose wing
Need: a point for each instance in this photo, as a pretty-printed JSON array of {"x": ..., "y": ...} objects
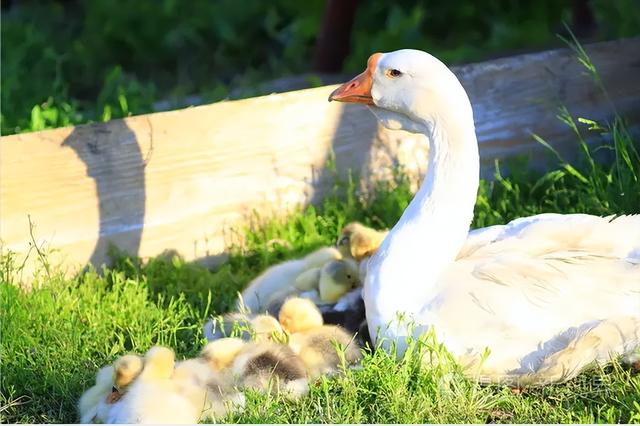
[{"x": 546, "y": 273}]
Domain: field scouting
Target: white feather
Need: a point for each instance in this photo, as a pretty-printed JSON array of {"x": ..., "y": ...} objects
[{"x": 546, "y": 294}]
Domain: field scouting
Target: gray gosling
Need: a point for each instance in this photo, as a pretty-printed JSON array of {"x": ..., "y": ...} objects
[
  {"x": 324, "y": 349},
  {"x": 261, "y": 366}
]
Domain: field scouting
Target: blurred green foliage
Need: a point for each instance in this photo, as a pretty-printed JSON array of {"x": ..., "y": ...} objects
[{"x": 96, "y": 60}]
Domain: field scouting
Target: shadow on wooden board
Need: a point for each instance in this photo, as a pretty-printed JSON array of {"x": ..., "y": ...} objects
[
  {"x": 115, "y": 162},
  {"x": 349, "y": 158},
  {"x": 119, "y": 180},
  {"x": 178, "y": 179}
]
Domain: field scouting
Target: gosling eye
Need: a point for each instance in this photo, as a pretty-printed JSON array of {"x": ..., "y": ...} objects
[
  {"x": 393, "y": 73},
  {"x": 349, "y": 276}
]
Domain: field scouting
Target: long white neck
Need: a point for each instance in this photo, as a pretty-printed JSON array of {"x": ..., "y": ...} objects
[{"x": 403, "y": 276}]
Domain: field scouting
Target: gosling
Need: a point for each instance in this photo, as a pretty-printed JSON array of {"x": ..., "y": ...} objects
[
  {"x": 332, "y": 281},
  {"x": 158, "y": 390},
  {"x": 359, "y": 242},
  {"x": 261, "y": 366},
  {"x": 277, "y": 282},
  {"x": 314, "y": 342},
  {"x": 111, "y": 383},
  {"x": 256, "y": 327}
]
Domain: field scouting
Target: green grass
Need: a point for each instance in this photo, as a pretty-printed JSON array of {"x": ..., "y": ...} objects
[{"x": 58, "y": 333}]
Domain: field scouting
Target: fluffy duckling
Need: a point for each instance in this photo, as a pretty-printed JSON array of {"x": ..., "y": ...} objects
[
  {"x": 162, "y": 391},
  {"x": 332, "y": 281},
  {"x": 299, "y": 315},
  {"x": 358, "y": 242},
  {"x": 111, "y": 384},
  {"x": 314, "y": 342},
  {"x": 159, "y": 363},
  {"x": 221, "y": 353},
  {"x": 153, "y": 397},
  {"x": 272, "y": 367},
  {"x": 337, "y": 279},
  {"x": 207, "y": 388},
  {"x": 256, "y": 327},
  {"x": 277, "y": 282},
  {"x": 96, "y": 395},
  {"x": 104, "y": 402},
  {"x": 262, "y": 366},
  {"x": 126, "y": 370}
]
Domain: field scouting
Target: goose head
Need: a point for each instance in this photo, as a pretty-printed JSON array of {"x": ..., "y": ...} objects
[{"x": 406, "y": 90}]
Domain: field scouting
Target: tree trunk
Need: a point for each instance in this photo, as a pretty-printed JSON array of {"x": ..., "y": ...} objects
[{"x": 332, "y": 45}]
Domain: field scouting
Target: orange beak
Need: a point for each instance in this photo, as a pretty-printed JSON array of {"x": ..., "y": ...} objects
[{"x": 358, "y": 90}]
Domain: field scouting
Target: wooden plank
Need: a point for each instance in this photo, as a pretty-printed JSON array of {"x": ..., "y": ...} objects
[{"x": 178, "y": 180}]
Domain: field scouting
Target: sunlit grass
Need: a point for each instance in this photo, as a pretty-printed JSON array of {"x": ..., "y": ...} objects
[{"x": 57, "y": 334}]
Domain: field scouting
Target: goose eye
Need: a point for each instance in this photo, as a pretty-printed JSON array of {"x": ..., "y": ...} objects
[{"x": 394, "y": 73}]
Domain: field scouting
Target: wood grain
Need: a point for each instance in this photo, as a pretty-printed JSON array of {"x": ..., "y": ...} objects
[{"x": 180, "y": 179}]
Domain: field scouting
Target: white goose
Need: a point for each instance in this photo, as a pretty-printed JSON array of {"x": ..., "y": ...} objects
[{"x": 546, "y": 294}]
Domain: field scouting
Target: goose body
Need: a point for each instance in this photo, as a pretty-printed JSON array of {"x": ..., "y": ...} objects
[
  {"x": 546, "y": 294},
  {"x": 532, "y": 288}
]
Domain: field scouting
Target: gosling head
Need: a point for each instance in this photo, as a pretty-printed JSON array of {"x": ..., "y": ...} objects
[
  {"x": 221, "y": 353},
  {"x": 337, "y": 279},
  {"x": 266, "y": 328},
  {"x": 158, "y": 363},
  {"x": 126, "y": 369},
  {"x": 357, "y": 241},
  {"x": 298, "y": 314}
]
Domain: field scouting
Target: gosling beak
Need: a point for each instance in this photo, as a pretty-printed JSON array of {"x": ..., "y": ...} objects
[
  {"x": 358, "y": 90},
  {"x": 343, "y": 241}
]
